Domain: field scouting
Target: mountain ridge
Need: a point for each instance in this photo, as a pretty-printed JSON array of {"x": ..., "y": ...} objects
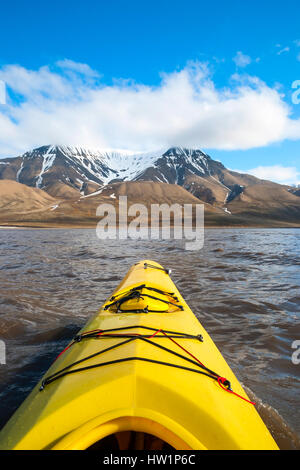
[
  {"x": 101, "y": 166},
  {"x": 79, "y": 166},
  {"x": 68, "y": 173}
]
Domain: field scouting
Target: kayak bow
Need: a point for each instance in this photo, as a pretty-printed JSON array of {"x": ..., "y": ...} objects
[{"x": 142, "y": 374}]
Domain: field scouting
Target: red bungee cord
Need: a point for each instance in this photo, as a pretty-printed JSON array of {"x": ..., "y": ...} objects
[{"x": 221, "y": 380}]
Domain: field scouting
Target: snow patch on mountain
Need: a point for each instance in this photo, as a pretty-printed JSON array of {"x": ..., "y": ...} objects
[{"x": 48, "y": 160}]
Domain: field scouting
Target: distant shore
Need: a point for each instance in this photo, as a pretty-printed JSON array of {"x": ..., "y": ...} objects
[{"x": 93, "y": 226}]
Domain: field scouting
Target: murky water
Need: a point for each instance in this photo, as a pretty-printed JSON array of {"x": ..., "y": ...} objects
[{"x": 243, "y": 286}]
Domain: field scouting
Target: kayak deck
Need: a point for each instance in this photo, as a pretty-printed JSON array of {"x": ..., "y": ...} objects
[{"x": 133, "y": 372}]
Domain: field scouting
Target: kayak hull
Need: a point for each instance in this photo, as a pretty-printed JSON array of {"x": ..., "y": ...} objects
[{"x": 142, "y": 387}]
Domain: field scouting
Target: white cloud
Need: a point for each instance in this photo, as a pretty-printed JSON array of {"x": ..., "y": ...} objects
[
  {"x": 277, "y": 173},
  {"x": 77, "y": 67},
  {"x": 185, "y": 108},
  {"x": 283, "y": 50},
  {"x": 241, "y": 60}
]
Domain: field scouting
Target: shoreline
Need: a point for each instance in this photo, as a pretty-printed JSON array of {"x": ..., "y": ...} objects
[{"x": 90, "y": 227}]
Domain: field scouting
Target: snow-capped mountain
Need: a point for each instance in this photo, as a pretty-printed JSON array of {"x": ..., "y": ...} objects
[
  {"x": 77, "y": 166},
  {"x": 77, "y": 179},
  {"x": 176, "y": 163},
  {"x": 67, "y": 172}
]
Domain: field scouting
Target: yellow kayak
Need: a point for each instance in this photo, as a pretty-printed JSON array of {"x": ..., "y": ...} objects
[{"x": 142, "y": 374}]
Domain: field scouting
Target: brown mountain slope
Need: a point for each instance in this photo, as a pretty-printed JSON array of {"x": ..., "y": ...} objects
[
  {"x": 19, "y": 198},
  {"x": 40, "y": 209},
  {"x": 220, "y": 188},
  {"x": 62, "y": 191},
  {"x": 268, "y": 200},
  {"x": 149, "y": 192},
  {"x": 145, "y": 193},
  {"x": 207, "y": 189}
]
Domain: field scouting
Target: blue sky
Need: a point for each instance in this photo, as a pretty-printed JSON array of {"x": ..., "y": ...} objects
[{"x": 145, "y": 75}]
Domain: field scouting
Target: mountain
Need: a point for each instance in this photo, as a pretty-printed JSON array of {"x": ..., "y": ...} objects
[
  {"x": 21, "y": 205},
  {"x": 270, "y": 200},
  {"x": 76, "y": 167},
  {"x": 21, "y": 199},
  {"x": 56, "y": 169},
  {"x": 83, "y": 169},
  {"x": 79, "y": 177}
]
